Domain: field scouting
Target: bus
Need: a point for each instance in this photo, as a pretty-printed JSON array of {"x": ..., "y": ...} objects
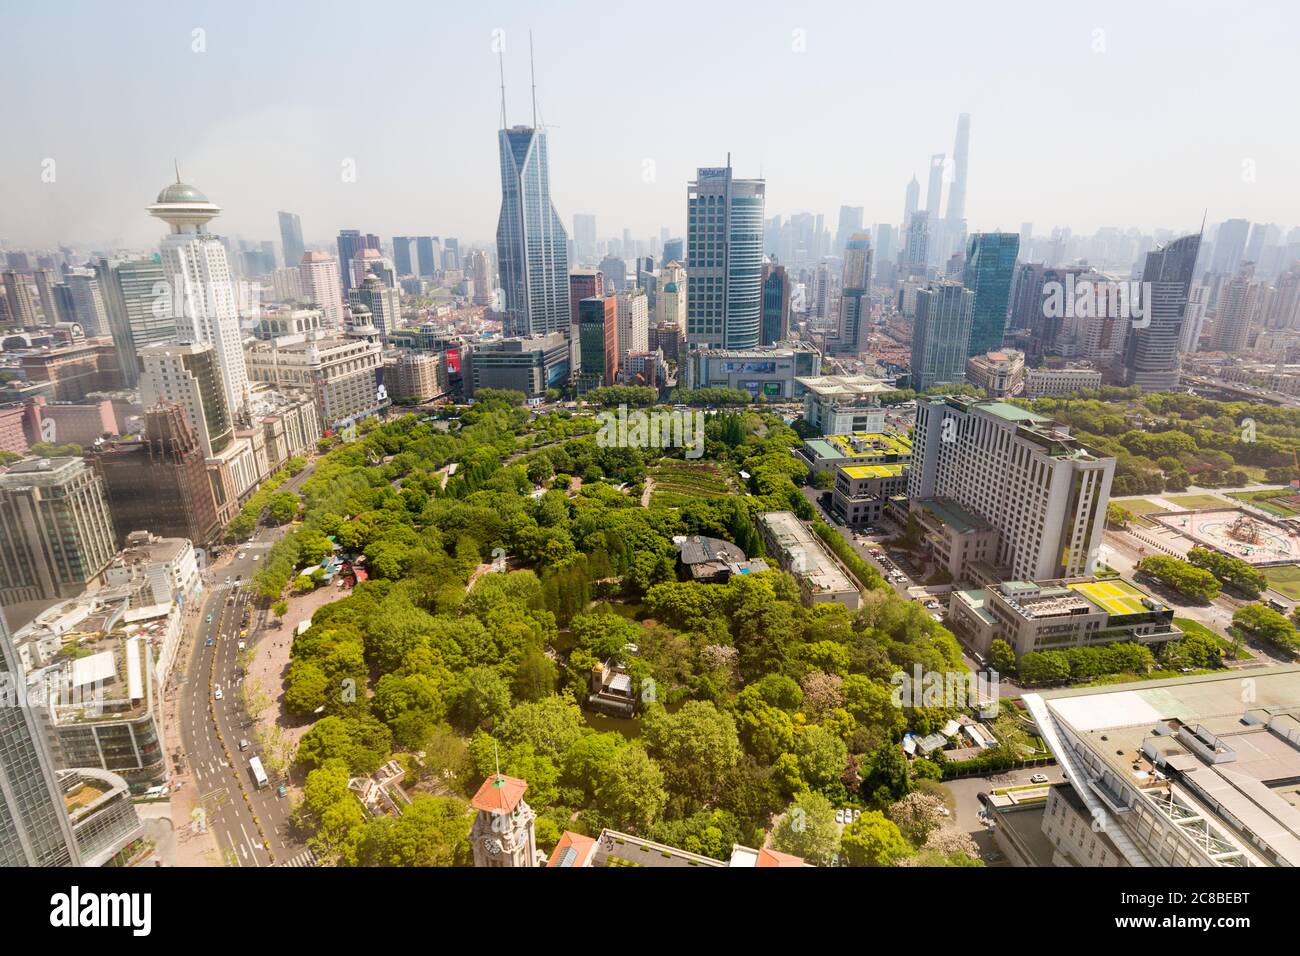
[{"x": 259, "y": 775}]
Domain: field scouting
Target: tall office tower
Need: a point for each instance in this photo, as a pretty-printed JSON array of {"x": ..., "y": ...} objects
[
  {"x": 451, "y": 253},
  {"x": 319, "y": 277},
  {"x": 850, "y": 222},
  {"x": 403, "y": 258},
  {"x": 87, "y": 302},
  {"x": 351, "y": 243},
  {"x": 45, "y": 280},
  {"x": 584, "y": 284},
  {"x": 614, "y": 270},
  {"x": 480, "y": 271},
  {"x": 159, "y": 484},
  {"x": 916, "y": 241},
  {"x": 24, "y": 300},
  {"x": 776, "y": 304},
  {"x": 855, "y": 298},
  {"x": 383, "y": 301},
  {"x": 934, "y": 189},
  {"x": 886, "y": 236},
  {"x": 670, "y": 302},
  {"x": 35, "y": 829},
  {"x": 1284, "y": 309},
  {"x": 597, "y": 342},
  {"x": 911, "y": 201},
  {"x": 1194, "y": 319},
  {"x": 584, "y": 236},
  {"x": 1023, "y": 474},
  {"x": 1027, "y": 304},
  {"x": 372, "y": 262},
  {"x": 1026, "y": 235},
  {"x": 1260, "y": 234},
  {"x": 189, "y": 375},
  {"x": 1229, "y": 246},
  {"x": 139, "y": 305},
  {"x": 56, "y": 533},
  {"x": 673, "y": 251},
  {"x": 1239, "y": 306},
  {"x": 990, "y": 269},
  {"x": 194, "y": 261},
  {"x": 956, "y": 214},
  {"x": 724, "y": 258},
  {"x": 428, "y": 256},
  {"x": 941, "y": 337},
  {"x": 291, "y": 243},
  {"x": 532, "y": 246},
  {"x": 633, "y": 323},
  {"x": 1151, "y": 354}
]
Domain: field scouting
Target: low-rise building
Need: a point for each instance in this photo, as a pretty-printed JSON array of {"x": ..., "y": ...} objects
[
  {"x": 860, "y": 448},
  {"x": 772, "y": 371},
  {"x": 861, "y": 491},
  {"x": 1044, "y": 382},
  {"x": 957, "y": 538},
  {"x": 1001, "y": 373},
  {"x": 528, "y": 365},
  {"x": 1057, "y": 615},
  {"x": 166, "y": 567},
  {"x": 714, "y": 560},
  {"x": 104, "y": 822},
  {"x": 412, "y": 376},
  {"x": 801, "y": 553},
  {"x": 844, "y": 404}
]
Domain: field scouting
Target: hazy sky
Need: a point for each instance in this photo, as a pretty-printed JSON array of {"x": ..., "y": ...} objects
[{"x": 1149, "y": 131}]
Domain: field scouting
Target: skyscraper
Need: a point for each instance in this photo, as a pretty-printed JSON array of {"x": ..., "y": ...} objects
[
  {"x": 383, "y": 301},
  {"x": 584, "y": 284},
  {"x": 189, "y": 376},
  {"x": 850, "y": 221},
  {"x": 480, "y": 274},
  {"x": 916, "y": 241},
  {"x": 194, "y": 262},
  {"x": 532, "y": 247},
  {"x": 351, "y": 243},
  {"x": 428, "y": 256},
  {"x": 584, "y": 236},
  {"x": 990, "y": 269},
  {"x": 403, "y": 260},
  {"x": 776, "y": 304},
  {"x": 724, "y": 259},
  {"x": 633, "y": 323},
  {"x": 139, "y": 310},
  {"x": 941, "y": 337},
  {"x": 1229, "y": 246},
  {"x": 911, "y": 201},
  {"x": 319, "y": 277},
  {"x": 291, "y": 237},
  {"x": 35, "y": 829},
  {"x": 1239, "y": 305},
  {"x": 934, "y": 190},
  {"x": 956, "y": 214},
  {"x": 855, "y": 300},
  {"x": 1151, "y": 354}
]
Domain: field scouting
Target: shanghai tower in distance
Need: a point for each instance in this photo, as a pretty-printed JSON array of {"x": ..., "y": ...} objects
[
  {"x": 532, "y": 246},
  {"x": 956, "y": 212}
]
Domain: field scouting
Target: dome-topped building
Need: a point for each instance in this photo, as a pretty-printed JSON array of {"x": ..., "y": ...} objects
[{"x": 183, "y": 207}]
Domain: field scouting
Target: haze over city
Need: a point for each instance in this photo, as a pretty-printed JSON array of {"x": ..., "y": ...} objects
[{"x": 1115, "y": 114}]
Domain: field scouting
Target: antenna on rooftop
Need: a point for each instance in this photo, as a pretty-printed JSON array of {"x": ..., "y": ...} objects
[
  {"x": 501, "y": 68},
  {"x": 532, "y": 73},
  {"x": 177, "y": 164},
  {"x": 497, "y": 754}
]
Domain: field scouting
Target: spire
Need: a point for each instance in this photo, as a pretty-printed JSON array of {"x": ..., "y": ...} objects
[
  {"x": 532, "y": 73},
  {"x": 177, "y": 164},
  {"x": 501, "y": 68},
  {"x": 500, "y": 780}
]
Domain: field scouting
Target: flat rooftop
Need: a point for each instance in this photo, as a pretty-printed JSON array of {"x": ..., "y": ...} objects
[
  {"x": 844, "y": 386},
  {"x": 819, "y": 569},
  {"x": 953, "y": 515},
  {"x": 864, "y": 445},
  {"x": 892, "y": 470},
  {"x": 1116, "y": 597}
]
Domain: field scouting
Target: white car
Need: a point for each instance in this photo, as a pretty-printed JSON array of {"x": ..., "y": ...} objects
[
  {"x": 1038, "y": 778},
  {"x": 242, "y": 555},
  {"x": 216, "y": 692},
  {"x": 257, "y": 557}
]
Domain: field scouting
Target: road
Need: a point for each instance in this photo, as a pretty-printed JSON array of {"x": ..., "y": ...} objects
[
  {"x": 252, "y": 827},
  {"x": 859, "y": 545}
]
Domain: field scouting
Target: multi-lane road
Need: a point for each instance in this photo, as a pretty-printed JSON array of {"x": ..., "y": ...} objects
[{"x": 252, "y": 827}]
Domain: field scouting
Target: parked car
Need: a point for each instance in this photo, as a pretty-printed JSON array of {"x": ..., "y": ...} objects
[
  {"x": 216, "y": 692},
  {"x": 1038, "y": 778},
  {"x": 209, "y": 644}
]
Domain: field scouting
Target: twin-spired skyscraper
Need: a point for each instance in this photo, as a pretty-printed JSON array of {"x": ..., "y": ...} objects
[{"x": 532, "y": 246}]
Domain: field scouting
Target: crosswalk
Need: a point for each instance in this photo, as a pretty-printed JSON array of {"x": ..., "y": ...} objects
[{"x": 305, "y": 858}]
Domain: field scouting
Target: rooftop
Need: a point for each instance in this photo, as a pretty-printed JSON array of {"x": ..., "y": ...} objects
[
  {"x": 844, "y": 386},
  {"x": 499, "y": 794},
  {"x": 953, "y": 515},
  {"x": 874, "y": 471},
  {"x": 1117, "y": 597}
]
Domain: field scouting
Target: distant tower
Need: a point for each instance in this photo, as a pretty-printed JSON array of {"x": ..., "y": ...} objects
[
  {"x": 291, "y": 237},
  {"x": 911, "y": 201},
  {"x": 957, "y": 192},
  {"x": 195, "y": 266},
  {"x": 502, "y": 834}
]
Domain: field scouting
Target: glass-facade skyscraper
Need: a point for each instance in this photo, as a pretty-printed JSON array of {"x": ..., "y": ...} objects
[
  {"x": 724, "y": 253},
  {"x": 939, "y": 341},
  {"x": 990, "y": 270},
  {"x": 1151, "y": 353},
  {"x": 532, "y": 246},
  {"x": 291, "y": 238},
  {"x": 34, "y": 826}
]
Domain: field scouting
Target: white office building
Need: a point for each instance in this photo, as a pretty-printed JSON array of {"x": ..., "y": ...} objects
[{"x": 1023, "y": 473}]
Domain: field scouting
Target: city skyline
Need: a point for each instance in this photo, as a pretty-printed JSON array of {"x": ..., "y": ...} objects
[{"x": 629, "y": 167}]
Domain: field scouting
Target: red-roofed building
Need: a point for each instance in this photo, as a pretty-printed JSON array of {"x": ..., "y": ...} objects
[
  {"x": 573, "y": 850},
  {"x": 499, "y": 794},
  {"x": 503, "y": 833},
  {"x": 768, "y": 857}
]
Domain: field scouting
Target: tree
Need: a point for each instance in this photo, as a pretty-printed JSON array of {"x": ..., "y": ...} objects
[
  {"x": 697, "y": 746},
  {"x": 551, "y": 725},
  {"x": 431, "y": 831},
  {"x": 280, "y": 608},
  {"x": 822, "y": 758},
  {"x": 1183, "y": 576},
  {"x": 1117, "y": 516},
  {"x": 631, "y": 795},
  {"x": 330, "y": 812},
  {"x": 885, "y": 777},
  {"x": 1267, "y": 625},
  {"x": 483, "y": 696},
  {"x": 918, "y": 815},
  {"x": 873, "y": 840},
  {"x": 808, "y": 830},
  {"x": 283, "y": 507},
  {"x": 1002, "y": 658},
  {"x": 535, "y": 676},
  {"x": 1231, "y": 571}
]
